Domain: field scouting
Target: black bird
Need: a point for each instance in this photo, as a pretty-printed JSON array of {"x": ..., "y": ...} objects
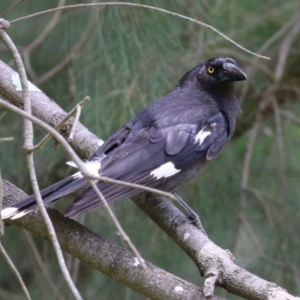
[{"x": 163, "y": 146}]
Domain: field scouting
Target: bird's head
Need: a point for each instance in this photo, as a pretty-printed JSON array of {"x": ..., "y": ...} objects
[{"x": 213, "y": 73}]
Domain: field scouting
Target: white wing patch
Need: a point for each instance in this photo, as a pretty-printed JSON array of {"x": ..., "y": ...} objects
[
  {"x": 72, "y": 164},
  {"x": 166, "y": 170},
  {"x": 92, "y": 166},
  {"x": 202, "y": 135}
]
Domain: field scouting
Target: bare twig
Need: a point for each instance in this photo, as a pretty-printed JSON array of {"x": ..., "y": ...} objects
[
  {"x": 14, "y": 269},
  {"x": 260, "y": 197},
  {"x": 42, "y": 143},
  {"x": 257, "y": 244},
  {"x": 281, "y": 154},
  {"x": 255, "y": 63},
  {"x": 142, "y": 6},
  {"x": 278, "y": 34},
  {"x": 266, "y": 45},
  {"x": 76, "y": 120},
  {"x": 10, "y": 8},
  {"x": 79, "y": 46},
  {"x": 50, "y": 25},
  {"x": 5, "y": 294},
  {"x": 290, "y": 116},
  {"x": 285, "y": 48},
  {"x": 250, "y": 145},
  {"x": 2, "y": 115},
  {"x": 35, "y": 252},
  {"x": 28, "y": 135},
  {"x": 78, "y": 108},
  {"x": 8, "y": 139},
  {"x": 246, "y": 168},
  {"x": 116, "y": 223}
]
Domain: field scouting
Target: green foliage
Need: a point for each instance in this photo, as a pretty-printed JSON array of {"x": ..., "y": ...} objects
[{"x": 132, "y": 57}]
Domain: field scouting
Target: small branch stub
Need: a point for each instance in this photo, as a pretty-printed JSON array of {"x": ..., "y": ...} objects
[
  {"x": 210, "y": 280},
  {"x": 4, "y": 24}
]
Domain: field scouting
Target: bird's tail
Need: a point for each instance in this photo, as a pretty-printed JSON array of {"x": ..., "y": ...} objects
[{"x": 49, "y": 194}]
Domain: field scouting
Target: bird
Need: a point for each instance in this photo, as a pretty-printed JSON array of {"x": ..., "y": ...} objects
[{"x": 165, "y": 145}]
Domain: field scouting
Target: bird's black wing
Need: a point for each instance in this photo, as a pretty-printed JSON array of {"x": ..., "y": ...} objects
[
  {"x": 155, "y": 156},
  {"x": 112, "y": 143}
]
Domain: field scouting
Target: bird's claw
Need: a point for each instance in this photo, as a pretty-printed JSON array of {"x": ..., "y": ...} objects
[{"x": 192, "y": 219}]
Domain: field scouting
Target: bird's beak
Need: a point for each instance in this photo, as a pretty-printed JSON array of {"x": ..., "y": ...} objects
[{"x": 232, "y": 73}]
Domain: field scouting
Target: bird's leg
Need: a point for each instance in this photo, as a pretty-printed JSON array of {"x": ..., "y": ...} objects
[{"x": 193, "y": 217}]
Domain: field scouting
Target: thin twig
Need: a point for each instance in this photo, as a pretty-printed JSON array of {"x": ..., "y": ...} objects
[
  {"x": 116, "y": 223},
  {"x": 246, "y": 169},
  {"x": 14, "y": 269},
  {"x": 72, "y": 53},
  {"x": 250, "y": 146},
  {"x": 260, "y": 197},
  {"x": 26, "y": 51},
  {"x": 28, "y": 135},
  {"x": 248, "y": 60},
  {"x": 141, "y": 6},
  {"x": 2, "y": 250},
  {"x": 76, "y": 159},
  {"x": 10, "y": 8},
  {"x": 75, "y": 123},
  {"x": 267, "y": 44},
  {"x": 1, "y": 199},
  {"x": 3, "y": 114},
  {"x": 34, "y": 252},
  {"x": 281, "y": 153},
  {"x": 78, "y": 108},
  {"x": 290, "y": 116},
  {"x": 257, "y": 244},
  {"x": 285, "y": 48},
  {"x": 8, "y": 139},
  {"x": 5, "y": 294},
  {"x": 74, "y": 262},
  {"x": 50, "y": 25},
  {"x": 42, "y": 143}
]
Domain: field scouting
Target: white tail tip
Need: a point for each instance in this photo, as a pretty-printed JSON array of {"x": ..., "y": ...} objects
[
  {"x": 8, "y": 212},
  {"x": 20, "y": 214}
]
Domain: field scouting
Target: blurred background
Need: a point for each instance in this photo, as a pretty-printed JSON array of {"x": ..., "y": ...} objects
[{"x": 126, "y": 57}]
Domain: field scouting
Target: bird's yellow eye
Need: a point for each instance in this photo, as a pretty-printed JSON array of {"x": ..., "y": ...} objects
[{"x": 210, "y": 70}]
